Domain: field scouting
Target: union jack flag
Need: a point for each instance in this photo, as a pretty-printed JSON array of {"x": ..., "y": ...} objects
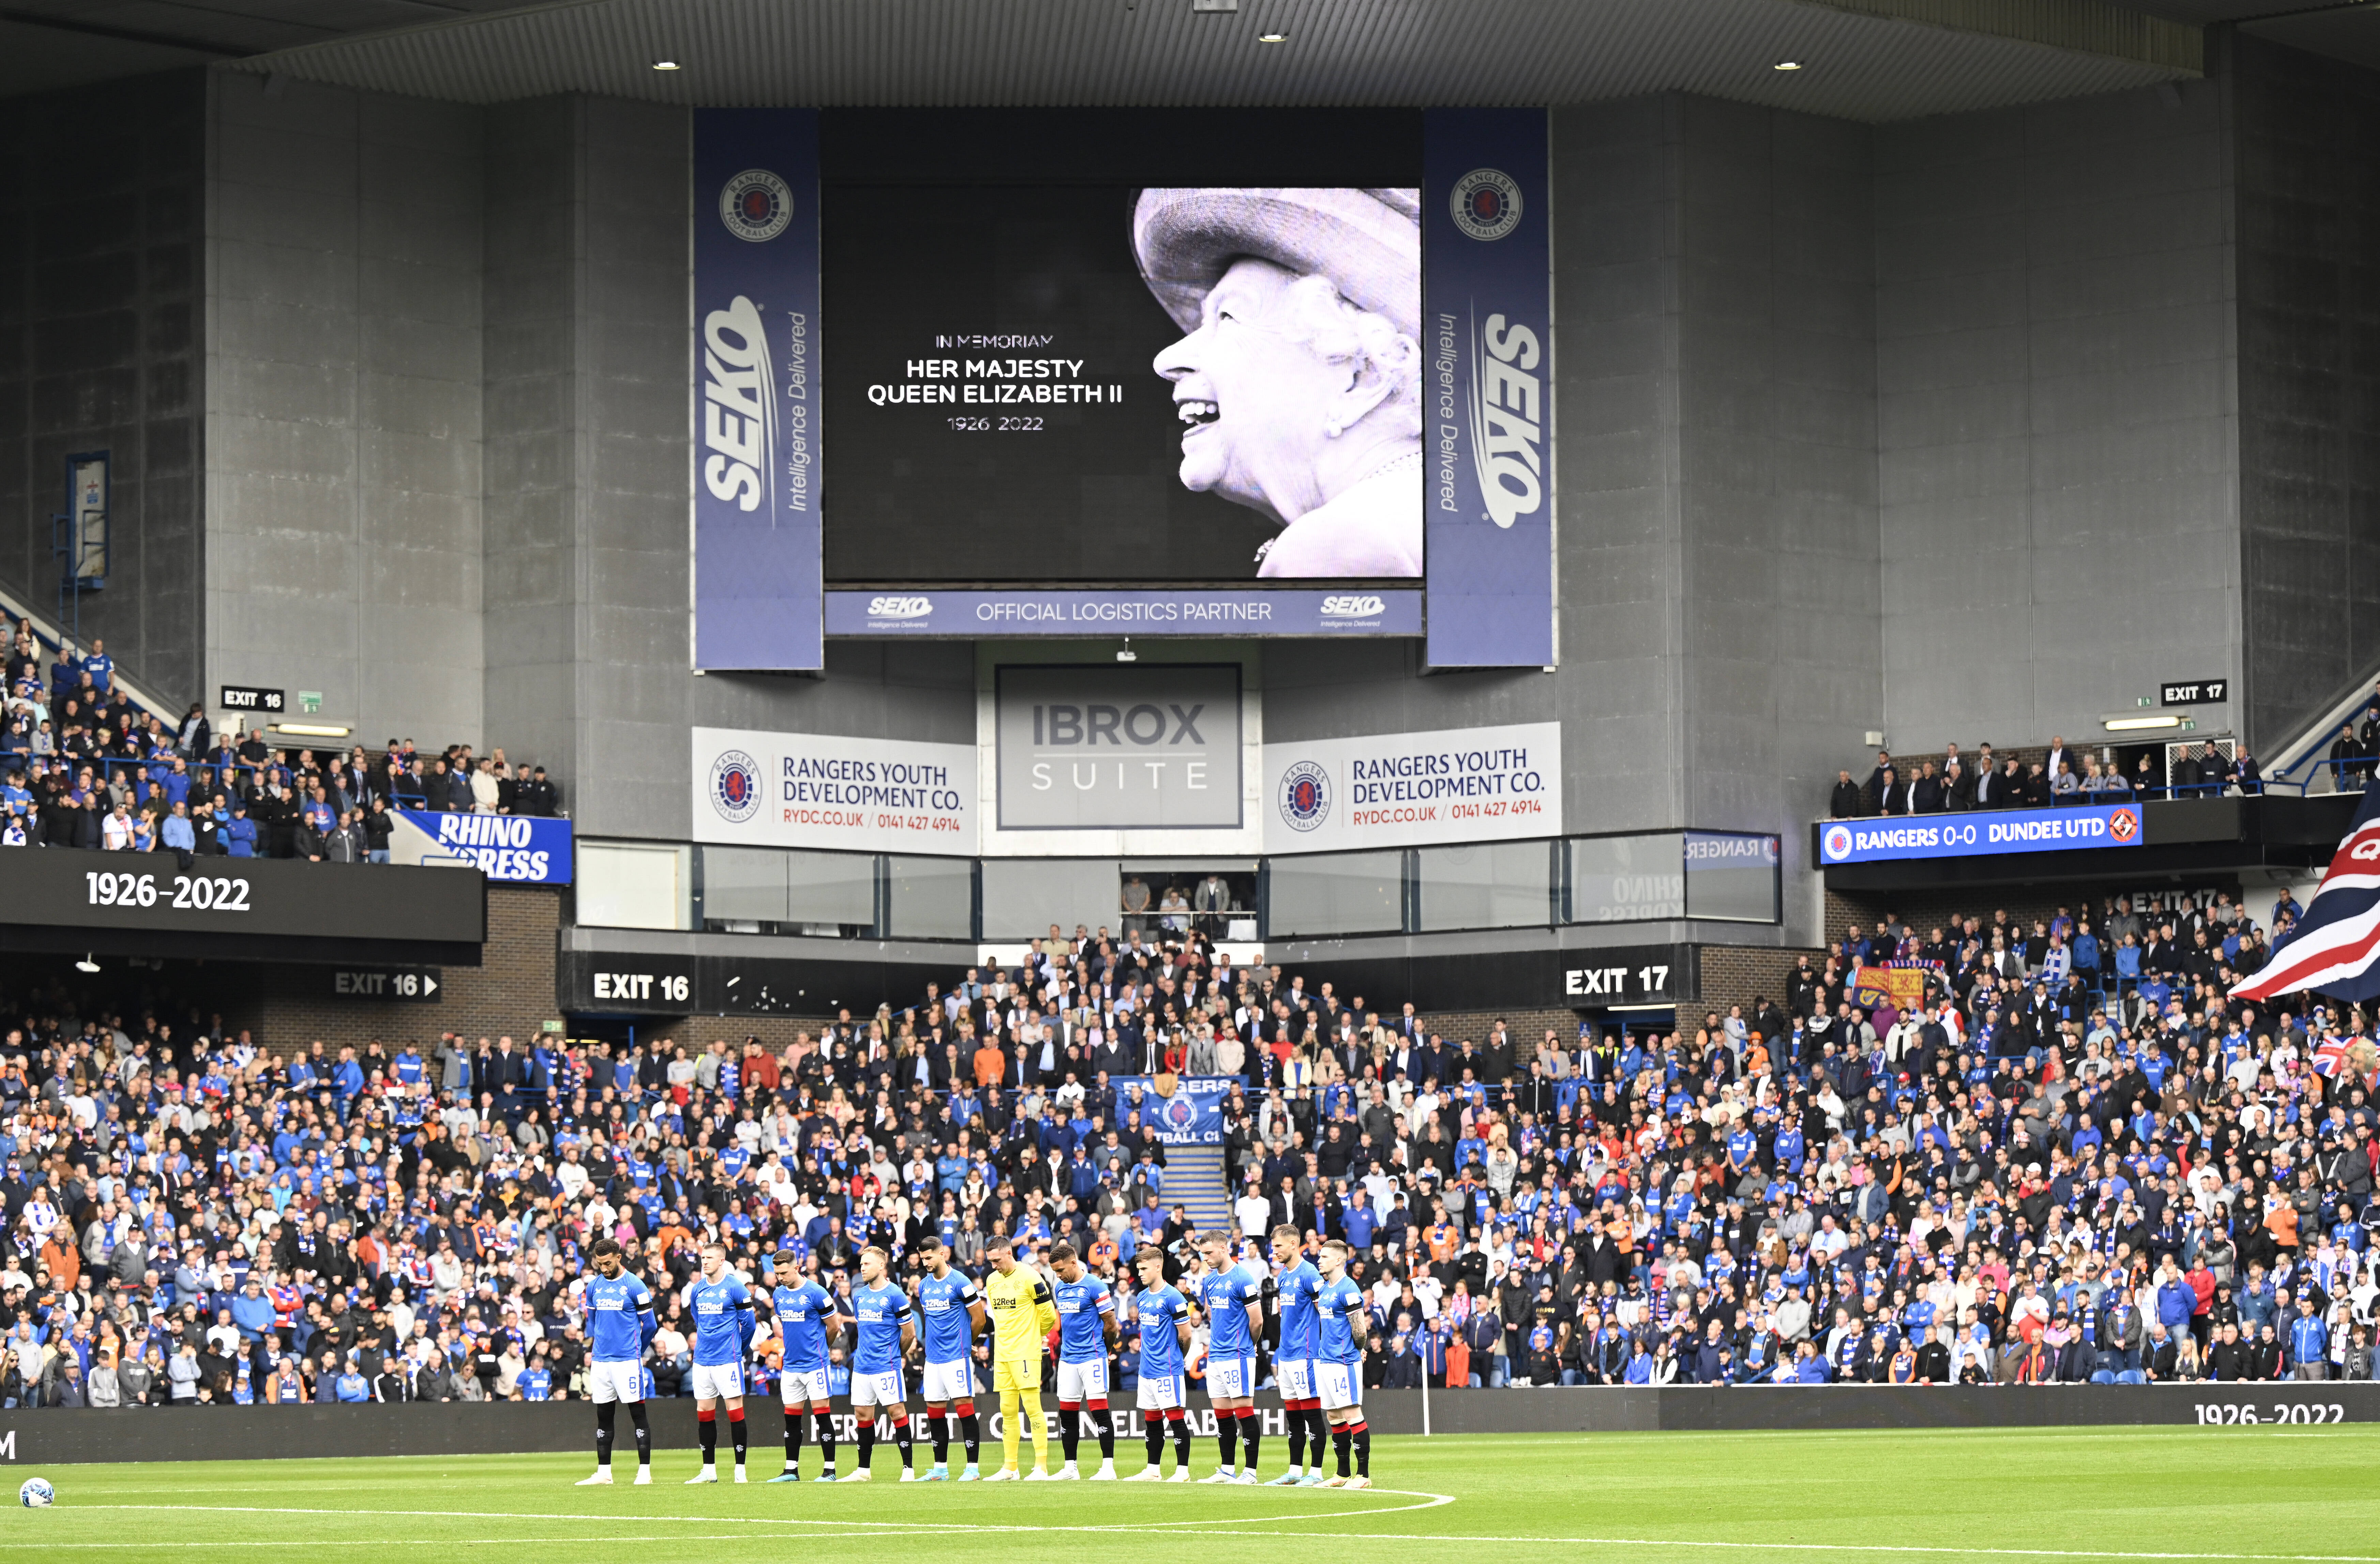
[{"x": 2335, "y": 949}]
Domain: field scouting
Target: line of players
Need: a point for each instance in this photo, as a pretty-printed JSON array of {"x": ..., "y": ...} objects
[{"x": 1318, "y": 1364}]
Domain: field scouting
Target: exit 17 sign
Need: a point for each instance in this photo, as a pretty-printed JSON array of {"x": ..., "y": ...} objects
[{"x": 2196, "y": 692}]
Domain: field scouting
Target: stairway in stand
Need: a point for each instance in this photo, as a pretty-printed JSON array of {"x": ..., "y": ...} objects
[{"x": 1194, "y": 1180}]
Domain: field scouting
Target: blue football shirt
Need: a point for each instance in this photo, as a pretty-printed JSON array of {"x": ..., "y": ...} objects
[
  {"x": 1339, "y": 1312},
  {"x": 1225, "y": 1296},
  {"x": 722, "y": 1316},
  {"x": 614, "y": 1330},
  {"x": 1082, "y": 1305},
  {"x": 1298, "y": 1286},
  {"x": 949, "y": 1330},
  {"x": 1161, "y": 1310},
  {"x": 802, "y": 1314},
  {"x": 879, "y": 1311}
]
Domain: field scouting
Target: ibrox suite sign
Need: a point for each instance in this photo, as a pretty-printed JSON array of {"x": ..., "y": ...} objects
[{"x": 1977, "y": 834}]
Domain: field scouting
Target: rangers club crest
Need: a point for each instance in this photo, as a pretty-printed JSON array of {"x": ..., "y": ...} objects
[
  {"x": 1304, "y": 796},
  {"x": 735, "y": 786},
  {"x": 756, "y": 205},
  {"x": 1486, "y": 204}
]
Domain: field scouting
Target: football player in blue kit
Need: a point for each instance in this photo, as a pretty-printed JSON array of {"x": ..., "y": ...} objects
[
  {"x": 953, "y": 1306},
  {"x": 1293, "y": 1360},
  {"x": 723, "y": 1324},
  {"x": 1339, "y": 1372},
  {"x": 1164, "y": 1337},
  {"x": 1231, "y": 1297},
  {"x": 619, "y": 1323},
  {"x": 1086, "y": 1333},
  {"x": 887, "y": 1330},
  {"x": 808, "y": 1322}
]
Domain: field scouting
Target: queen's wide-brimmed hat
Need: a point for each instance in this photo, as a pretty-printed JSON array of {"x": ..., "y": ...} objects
[{"x": 1366, "y": 242}]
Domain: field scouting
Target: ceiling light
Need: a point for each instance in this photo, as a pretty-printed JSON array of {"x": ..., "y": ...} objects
[
  {"x": 2129, "y": 723},
  {"x": 311, "y": 730},
  {"x": 1272, "y": 38},
  {"x": 1788, "y": 64},
  {"x": 665, "y": 65}
]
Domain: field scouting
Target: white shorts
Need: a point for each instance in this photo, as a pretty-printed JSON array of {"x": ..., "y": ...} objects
[
  {"x": 798, "y": 1386},
  {"x": 1161, "y": 1393},
  {"x": 1294, "y": 1379},
  {"x": 718, "y": 1381},
  {"x": 1082, "y": 1381},
  {"x": 948, "y": 1382},
  {"x": 616, "y": 1382},
  {"x": 1339, "y": 1386},
  {"x": 879, "y": 1389},
  {"x": 1232, "y": 1373}
]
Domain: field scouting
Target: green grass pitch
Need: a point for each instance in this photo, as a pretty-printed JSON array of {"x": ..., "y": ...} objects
[{"x": 1999, "y": 1493}]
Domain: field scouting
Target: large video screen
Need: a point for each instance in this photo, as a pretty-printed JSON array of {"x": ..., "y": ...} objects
[{"x": 1056, "y": 375}]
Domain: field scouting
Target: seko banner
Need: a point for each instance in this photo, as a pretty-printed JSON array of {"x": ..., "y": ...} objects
[
  {"x": 1487, "y": 334},
  {"x": 756, "y": 358}
]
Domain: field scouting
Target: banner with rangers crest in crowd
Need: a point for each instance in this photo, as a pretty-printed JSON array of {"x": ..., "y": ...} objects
[{"x": 1192, "y": 1114}]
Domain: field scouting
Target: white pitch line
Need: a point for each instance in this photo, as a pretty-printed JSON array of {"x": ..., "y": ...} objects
[
  {"x": 1216, "y": 1526},
  {"x": 1776, "y": 1547},
  {"x": 532, "y": 1515},
  {"x": 916, "y": 1527},
  {"x": 475, "y": 1542}
]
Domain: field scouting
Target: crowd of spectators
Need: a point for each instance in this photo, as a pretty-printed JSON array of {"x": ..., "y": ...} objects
[
  {"x": 83, "y": 765},
  {"x": 2027, "y": 1171},
  {"x": 1934, "y": 784}
]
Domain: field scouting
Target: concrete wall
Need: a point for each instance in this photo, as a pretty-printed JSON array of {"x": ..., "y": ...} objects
[
  {"x": 343, "y": 404},
  {"x": 102, "y": 191},
  {"x": 2057, "y": 444},
  {"x": 1778, "y": 548},
  {"x": 1715, "y": 369},
  {"x": 2306, "y": 134},
  {"x": 589, "y": 590}
]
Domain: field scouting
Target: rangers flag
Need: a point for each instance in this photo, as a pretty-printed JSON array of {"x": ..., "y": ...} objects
[{"x": 2336, "y": 946}]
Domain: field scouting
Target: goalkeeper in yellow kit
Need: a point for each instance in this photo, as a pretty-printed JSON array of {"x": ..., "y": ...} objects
[{"x": 1023, "y": 1314}]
